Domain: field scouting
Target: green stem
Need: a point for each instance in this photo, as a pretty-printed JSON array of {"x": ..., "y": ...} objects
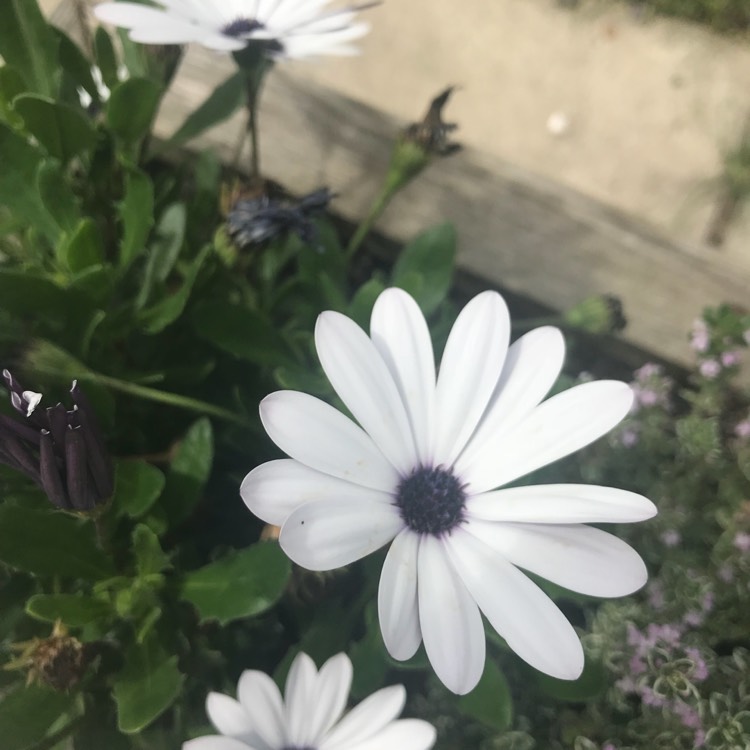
[
  {"x": 164, "y": 397},
  {"x": 375, "y": 212}
]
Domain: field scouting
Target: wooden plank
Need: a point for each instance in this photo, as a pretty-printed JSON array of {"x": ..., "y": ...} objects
[{"x": 516, "y": 230}]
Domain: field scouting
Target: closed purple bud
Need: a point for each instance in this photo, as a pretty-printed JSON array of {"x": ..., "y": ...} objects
[
  {"x": 76, "y": 472},
  {"x": 50, "y": 474}
]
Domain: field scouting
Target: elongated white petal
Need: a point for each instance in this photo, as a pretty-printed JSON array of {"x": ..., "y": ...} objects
[
  {"x": 561, "y": 503},
  {"x": 469, "y": 370},
  {"x": 363, "y": 382},
  {"x": 216, "y": 742},
  {"x": 557, "y": 427},
  {"x": 331, "y": 533},
  {"x": 321, "y": 437},
  {"x": 168, "y": 31},
  {"x": 517, "y": 608},
  {"x": 366, "y": 719},
  {"x": 399, "y": 332},
  {"x": 132, "y": 15},
  {"x": 331, "y": 690},
  {"x": 451, "y": 624},
  {"x": 530, "y": 370},
  {"x": 260, "y": 697},
  {"x": 398, "y": 612},
  {"x": 228, "y": 715},
  {"x": 579, "y": 558},
  {"x": 274, "y": 489},
  {"x": 299, "y": 697},
  {"x": 413, "y": 734}
]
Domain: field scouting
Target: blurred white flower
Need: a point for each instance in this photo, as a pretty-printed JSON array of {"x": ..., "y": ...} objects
[
  {"x": 307, "y": 718},
  {"x": 422, "y": 472},
  {"x": 291, "y": 28}
]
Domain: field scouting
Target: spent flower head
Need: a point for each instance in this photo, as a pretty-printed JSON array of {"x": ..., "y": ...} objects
[
  {"x": 422, "y": 473},
  {"x": 310, "y": 714}
]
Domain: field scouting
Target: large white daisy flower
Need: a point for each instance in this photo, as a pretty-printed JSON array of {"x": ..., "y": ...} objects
[
  {"x": 423, "y": 470},
  {"x": 292, "y": 28},
  {"x": 306, "y": 718}
]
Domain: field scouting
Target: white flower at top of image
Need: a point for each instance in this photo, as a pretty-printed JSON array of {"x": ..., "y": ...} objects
[
  {"x": 422, "y": 471},
  {"x": 309, "y": 716},
  {"x": 291, "y": 28}
]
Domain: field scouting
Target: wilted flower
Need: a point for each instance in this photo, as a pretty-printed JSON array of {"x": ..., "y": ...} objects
[
  {"x": 252, "y": 221},
  {"x": 422, "y": 473},
  {"x": 62, "y": 451},
  {"x": 286, "y": 28},
  {"x": 309, "y": 715},
  {"x": 601, "y": 313}
]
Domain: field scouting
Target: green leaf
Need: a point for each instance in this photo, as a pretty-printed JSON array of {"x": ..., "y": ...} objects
[
  {"x": 156, "y": 318},
  {"x": 27, "y": 713},
  {"x": 51, "y": 543},
  {"x": 137, "y": 487},
  {"x": 137, "y": 215},
  {"x": 83, "y": 249},
  {"x": 105, "y": 57},
  {"x": 241, "y": 332},
  {"x": 75, "y": 610},
  {"x": 590, "y": 684},
  {"x": 169, "y": 237},
  {"x": 189, "y": 471},
  {"x": 147, "y": 686},
  {"x": 11, "y": 85},
  {"x": 24, "y": 293},
  {"x": 425, "y": 266},
  {"x": 360, "y": 308},
  {"x": 29, "y": 44},
  {"x": 226, "y": 99},
  {"x": 132, "y": 107},
  {"x": 149, "y": 556},
  {"x": 75, "y": 64},
  {"x": 20, "y": 162},
  {"x": 57, "y": 196},
  {"x": 241, "y": 584},
  {"x": 62, "y": 130},
  {"x": 490, "y": 702}
]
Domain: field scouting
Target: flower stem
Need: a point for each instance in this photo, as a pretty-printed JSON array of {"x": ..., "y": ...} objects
[{"x": 375, "y": 212}]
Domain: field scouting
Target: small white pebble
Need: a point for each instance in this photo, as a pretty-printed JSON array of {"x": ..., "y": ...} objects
[{"x": 558, "y": 123}]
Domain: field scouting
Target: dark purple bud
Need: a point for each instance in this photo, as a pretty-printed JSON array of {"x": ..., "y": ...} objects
[
  {"x": 57, "y": 419},
  {"x": 76, "y": 471},
  {"x": 50, "y": 472},
  {"x": 19, "y": 457}
]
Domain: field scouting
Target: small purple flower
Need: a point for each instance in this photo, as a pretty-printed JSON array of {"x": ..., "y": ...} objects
[
  {"x": 726, "y": 573},
  {"x": 650, "y": 698},
  {"x": 741, "y": 541},
  {"x": 648, "y": 371},
  {"x": 730, "y": 358},
  {"x": 656, "y": 595},
  {"x": 700, "y": 668},
  {"x": 693, "y": 618},
  {"x": 700, "y": 338},
  {"x": 61, "y": 450},
  {"x": 629, "y": 437},
  {"x": 709, "y": 368},
  {"x": 742, "y": 429}
]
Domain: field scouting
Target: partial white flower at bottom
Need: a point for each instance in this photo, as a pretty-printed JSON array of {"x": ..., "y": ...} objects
[
  {"x": 309, "y": 715},
  {"x": 422, "y": 472}
]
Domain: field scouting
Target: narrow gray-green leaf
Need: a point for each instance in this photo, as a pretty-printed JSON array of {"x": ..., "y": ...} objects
[{"x": 74, "y": 610}]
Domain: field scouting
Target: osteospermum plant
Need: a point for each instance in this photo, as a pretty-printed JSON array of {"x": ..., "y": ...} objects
[{"x": 426, "y": 468}]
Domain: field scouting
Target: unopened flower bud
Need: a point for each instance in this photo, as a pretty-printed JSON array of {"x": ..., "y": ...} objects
[{"x": 601, "y": 313}]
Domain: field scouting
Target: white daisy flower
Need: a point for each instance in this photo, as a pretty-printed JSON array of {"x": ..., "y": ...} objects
[
  {"x": 307, "y": 718},
  {"x": 291, "y": 28},
  {"x": 423, "y": 470}
]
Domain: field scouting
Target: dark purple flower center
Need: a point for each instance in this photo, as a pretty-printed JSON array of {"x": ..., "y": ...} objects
[
  {"x": 431, "y": 500},
  {"x": 241, "y": 26}
]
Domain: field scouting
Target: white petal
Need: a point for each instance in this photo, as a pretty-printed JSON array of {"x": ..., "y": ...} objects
[
  {"x": 131, "y": 15},
  {"x": 331, "y": 691},
  {"x": 397, "y": 597},
  {"x": 299, "y": 696},
  {"x": 363, "y": 382},
  {"x": 260, "y": 697},
  {"x": 409, "y": 734},
  {"x": 399, "y": 332},
  {"x": 274, "y": 489},
  {"x": 557, "y": 427},
  {"x": 451, "y": 624},
  {"x": 169, "y": 31},
  {"x": 216, "y": 742},
  {"x": 367, "y": 718},
  {"x": 561, "y": 503},
  {"x": 228, "y": 715},
  {"x": 530, "y": 370},
  {"x": 469, "y": 370},
  {"x": 321, "y": 437},
  {"x": 331, "y": 533},
  {"x": 579, "y": 558},
  {"x": 517, "y": 608}
]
